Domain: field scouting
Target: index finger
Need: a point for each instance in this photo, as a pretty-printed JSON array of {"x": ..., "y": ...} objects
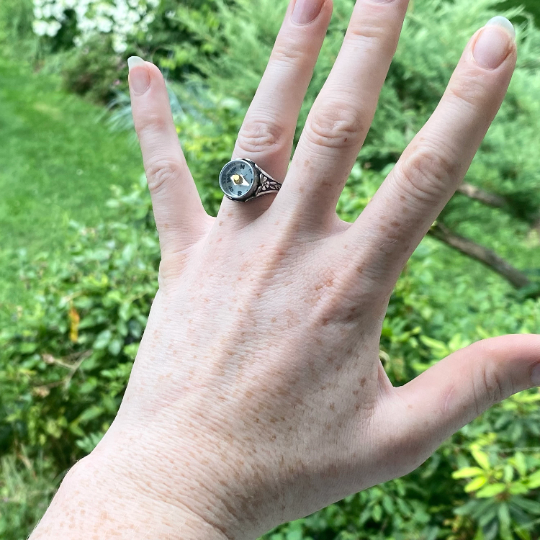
[{"x": 178, "y": 210}]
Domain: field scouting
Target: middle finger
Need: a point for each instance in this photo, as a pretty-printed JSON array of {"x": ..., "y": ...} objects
[
  {"x": 340, "y": 118},
  {"x": 267, "y": 133}
]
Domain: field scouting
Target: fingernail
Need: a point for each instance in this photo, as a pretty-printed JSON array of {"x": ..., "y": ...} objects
[
  {"x": 535, "y": 375},
  {"x": 493, "y": 44},
  {"x": 306, "y": 11},
  {"x": 139, "y": 79}
]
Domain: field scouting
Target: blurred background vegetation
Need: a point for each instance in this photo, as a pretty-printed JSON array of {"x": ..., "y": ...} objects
[{"x": 79, "y": 252}]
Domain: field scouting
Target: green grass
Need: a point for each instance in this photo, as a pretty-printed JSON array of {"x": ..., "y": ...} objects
[{"x": 57, "y": 162}]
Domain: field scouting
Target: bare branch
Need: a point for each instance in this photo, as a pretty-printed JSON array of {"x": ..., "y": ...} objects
[
  {"x": 485, "y": 197},
  {"x": 480, "y": 253}
]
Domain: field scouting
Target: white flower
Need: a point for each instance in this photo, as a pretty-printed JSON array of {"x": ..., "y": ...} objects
[
  {"x": 120, "y": 18},
  {"x": 103, "y": 24},
  {"x": 86, "y": 25},
  {"x": 149, "y": 19},
  {"x": 81, "y": 11},
  {"x": 47, "y": 11},
  {"x": 39, "y": 27},
  {"x": 119, "y": 45},
  {"x": 57, "y": 11},
  {"x": 132, "y": 18},
  {"x": 53, "y": 28}
]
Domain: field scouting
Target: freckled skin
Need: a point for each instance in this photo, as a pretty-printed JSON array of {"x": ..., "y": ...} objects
[
  {"x": 208, "y": 393},
  {"x": 264, "y": 398}
]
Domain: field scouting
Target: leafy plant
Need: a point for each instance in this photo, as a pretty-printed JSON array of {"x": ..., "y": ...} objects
[
  {"x": 25, "y": 489},
  {"x": 64, "y": 361},
  {"x": 503, "y": 489},
  {"x": 83, "y": 19},
  {"x": 65, "y": 364}
]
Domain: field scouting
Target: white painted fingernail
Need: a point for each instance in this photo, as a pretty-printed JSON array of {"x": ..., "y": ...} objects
[
  {"x": 139, "y": 80},
  {"x": 306, "y": 11},
  {"x": 134, "y": 61},
  {"x": 503, "y": 22},
  {"x": 494, "y": 43}
]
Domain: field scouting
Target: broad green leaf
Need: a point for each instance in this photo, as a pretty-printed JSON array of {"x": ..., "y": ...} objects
[
  {"x": 467, "y": 472},
  {"x": 533, "y": 507},
  {"x": 521, "y": 464},
  {"x": 438, "y": 347},
  {"x": 89, "y": 414},
  {"x": 491, "y": 490},
  {"x": 481, "y": 458},
  {"x": 534, "y": 480},
  {"x": 388, "y": 504},
  {"x": 504, "y": 515},
  {"x": 115, "y": 346},
  {"x": 488, "y": 516},
  {"x": 475, "y": 484},
  {"x": 518, "y": 488},
  {"x": 102, "y": 339},
  {"x": 508, "y": 473},
  {"x": 523, "y": 534}
]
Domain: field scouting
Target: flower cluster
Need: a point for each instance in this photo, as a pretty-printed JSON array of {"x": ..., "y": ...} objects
[{"x": 119, "y": 18}]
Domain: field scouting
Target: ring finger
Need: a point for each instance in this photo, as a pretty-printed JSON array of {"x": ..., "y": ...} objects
[
  {"x": 342, "y": 114},
  {"x": 267, "y": 133}
]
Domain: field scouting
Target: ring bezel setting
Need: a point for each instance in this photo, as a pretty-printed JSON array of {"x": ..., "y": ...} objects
[
  {"x": 235, "y": 165},
  {"x": 241, "y": 170}
]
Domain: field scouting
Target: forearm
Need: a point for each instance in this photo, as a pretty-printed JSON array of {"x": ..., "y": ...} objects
[{"x": 93, "y": 502}]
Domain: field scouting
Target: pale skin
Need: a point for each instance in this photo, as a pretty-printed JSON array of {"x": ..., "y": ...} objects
[{"x": 257, "y": 395}]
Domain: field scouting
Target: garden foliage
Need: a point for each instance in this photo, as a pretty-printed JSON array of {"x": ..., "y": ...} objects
[
  {"x": 65, "y": 360},
  {"x": 119, "y": 18}
]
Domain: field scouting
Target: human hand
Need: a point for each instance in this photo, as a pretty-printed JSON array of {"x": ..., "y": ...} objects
[{"x": 258, "y": 395}]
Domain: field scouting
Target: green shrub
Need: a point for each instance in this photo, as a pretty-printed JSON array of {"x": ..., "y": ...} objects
[
  {"x": 26, "y": 487},
  {"x": 64, "y": 362},
  {"x": 94, "y": 70},
  {"x": 95, "y": 64},
  {"x": 16, "y": 35}
]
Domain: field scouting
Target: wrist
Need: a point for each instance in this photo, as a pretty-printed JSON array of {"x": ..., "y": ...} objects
[{"x": 112, "y": 500}]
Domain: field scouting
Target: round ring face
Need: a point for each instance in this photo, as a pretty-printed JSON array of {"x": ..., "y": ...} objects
[{"x": 237, "y": 179}]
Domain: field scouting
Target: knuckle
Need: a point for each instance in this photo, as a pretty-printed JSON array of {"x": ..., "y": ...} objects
[
  {"x": 467, "y": 93},
  {"x": 151, "y": 124},
  {"x": 161, "y": 172},
  {"x": 367, "y": 35},
  {"x": 331, "y": 300},
  {"x": 427, "y": 174},
  {"x": 170, "y": 268},
  {"x": 262, "y": 135},
  {"x": 335, "y": 124},
  {"x": 287, "y": 54},
  {"x": 491, "y": 386}
]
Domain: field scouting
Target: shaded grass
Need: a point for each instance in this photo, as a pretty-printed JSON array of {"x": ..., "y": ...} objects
[{"x": 57, "y": 163}]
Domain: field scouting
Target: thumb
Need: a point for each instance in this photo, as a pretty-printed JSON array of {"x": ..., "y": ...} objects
[{"x": 443, "y": 399}]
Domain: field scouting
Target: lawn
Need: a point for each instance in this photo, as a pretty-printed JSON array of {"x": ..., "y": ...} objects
[{"x": 58, "y": 160}]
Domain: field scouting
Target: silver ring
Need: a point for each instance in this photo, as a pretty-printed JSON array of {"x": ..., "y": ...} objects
[{"x": 243, "y": 180}]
